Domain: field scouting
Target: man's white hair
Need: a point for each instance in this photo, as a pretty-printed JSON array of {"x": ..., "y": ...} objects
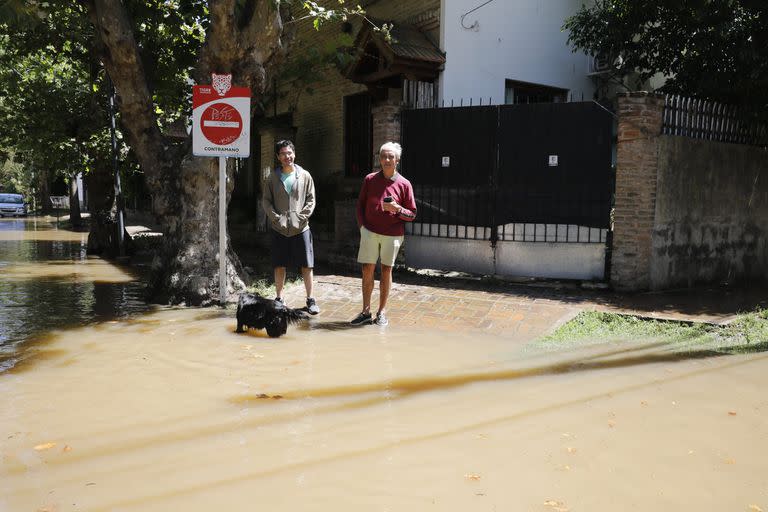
[{"x": 396, "y": 148}]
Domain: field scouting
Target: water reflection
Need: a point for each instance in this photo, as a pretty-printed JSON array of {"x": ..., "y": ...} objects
[{"x": 49, "y": 282}]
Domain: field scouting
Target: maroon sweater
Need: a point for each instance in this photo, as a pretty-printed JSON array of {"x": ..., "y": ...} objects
[{"x": 370, "y": 212}]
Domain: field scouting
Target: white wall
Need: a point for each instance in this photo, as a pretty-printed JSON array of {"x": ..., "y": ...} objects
[
  {"x": 513, "y": 39},
  {"x": 581, "y": 261}
]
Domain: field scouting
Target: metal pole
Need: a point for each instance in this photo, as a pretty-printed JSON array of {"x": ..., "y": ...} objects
[
  {"x": 118, "y": 186},
  {"x": 222, "y": 230}
]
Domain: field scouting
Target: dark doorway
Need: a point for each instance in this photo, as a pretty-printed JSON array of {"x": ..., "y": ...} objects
[{"x": 358, "y": 151}]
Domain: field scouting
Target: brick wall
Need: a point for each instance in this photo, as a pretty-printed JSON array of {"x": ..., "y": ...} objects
[
  {"x": 319, "y": 116},
  {"x": 640, "y": 118},
  {"x": 386, "y": 126}
]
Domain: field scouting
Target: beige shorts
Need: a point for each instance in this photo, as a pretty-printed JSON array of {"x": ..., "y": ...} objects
[{"x": 373, "y": 245}]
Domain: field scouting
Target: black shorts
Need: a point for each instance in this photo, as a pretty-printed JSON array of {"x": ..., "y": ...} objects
[{"x": 292, "y": 251}]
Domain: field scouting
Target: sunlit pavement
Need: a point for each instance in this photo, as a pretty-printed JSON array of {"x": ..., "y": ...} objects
[{"x": 517, "y": 312}]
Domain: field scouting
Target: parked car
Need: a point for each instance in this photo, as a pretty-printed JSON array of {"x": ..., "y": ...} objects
[{"x": 12, "y": 205}]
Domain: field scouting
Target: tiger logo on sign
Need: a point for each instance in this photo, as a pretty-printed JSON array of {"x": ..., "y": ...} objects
[{"x": 221, "y": 83}]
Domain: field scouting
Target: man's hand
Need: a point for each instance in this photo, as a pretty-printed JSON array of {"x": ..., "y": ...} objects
[{"x": 391, "y": 207}]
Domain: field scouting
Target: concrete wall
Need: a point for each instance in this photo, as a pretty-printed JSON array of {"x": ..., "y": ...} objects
[
  {"x": 687, "y": 211},
  {"x": 550, "y": 260},
  {"x": 517, "y": 40},
  {"x": 711, "y": 220}
]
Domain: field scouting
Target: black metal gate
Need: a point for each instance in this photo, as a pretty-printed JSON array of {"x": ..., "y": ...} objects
[{"x": 495, "y": 172}]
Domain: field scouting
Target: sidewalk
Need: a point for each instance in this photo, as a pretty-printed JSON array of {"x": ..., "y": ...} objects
[{"x": 515, "y": 311}]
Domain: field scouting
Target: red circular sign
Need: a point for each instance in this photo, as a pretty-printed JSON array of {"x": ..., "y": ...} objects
[{"x": 221, "y": 124}]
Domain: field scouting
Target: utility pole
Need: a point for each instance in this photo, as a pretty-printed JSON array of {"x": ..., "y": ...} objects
[{"x": 118, "y": 187}]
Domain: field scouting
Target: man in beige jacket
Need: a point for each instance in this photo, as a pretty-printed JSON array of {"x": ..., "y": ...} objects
[{"x": 289, "y": 200}]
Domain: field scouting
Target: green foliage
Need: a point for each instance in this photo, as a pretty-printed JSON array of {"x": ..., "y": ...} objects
[
  {"x": 51, "y": 111},
  {"x": 709, "y": 48},
  {"x": 322, "y": 15},
  {"x": 170, "y": 34},
  {"x": 53, "y": 90},
  {"x": 13, "y": 177}
]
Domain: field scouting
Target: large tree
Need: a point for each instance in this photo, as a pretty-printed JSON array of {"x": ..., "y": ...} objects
[
  {"x": 709, "y": 48},
  {"x": 150, "y": 50},
  {"x": 241, "y": 38}
]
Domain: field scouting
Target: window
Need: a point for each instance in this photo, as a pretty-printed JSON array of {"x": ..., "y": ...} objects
[{"x": 524, "y": 92}]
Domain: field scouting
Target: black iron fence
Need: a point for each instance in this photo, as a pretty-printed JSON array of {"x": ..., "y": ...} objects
[
  {"x": 530, "y": 172},
  {"x": 711, "y": 120}
]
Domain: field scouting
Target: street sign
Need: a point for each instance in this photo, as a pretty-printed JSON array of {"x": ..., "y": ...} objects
[{"x": 221, "y": 120}]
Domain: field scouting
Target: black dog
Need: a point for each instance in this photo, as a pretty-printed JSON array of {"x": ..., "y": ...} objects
[{"x": 257, "y": 312}]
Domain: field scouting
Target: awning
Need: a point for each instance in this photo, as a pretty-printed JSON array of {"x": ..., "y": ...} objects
[{"x": 409, "y": 54}]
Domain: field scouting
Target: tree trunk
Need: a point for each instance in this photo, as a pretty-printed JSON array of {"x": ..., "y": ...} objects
[
  {"x": 74, "y": 203},
  {"x": 190, "y": 266},
  {"x": 44, "y": 188},
  {"x": 102, "y": 238},
  {"x": 185, "y": 188}
]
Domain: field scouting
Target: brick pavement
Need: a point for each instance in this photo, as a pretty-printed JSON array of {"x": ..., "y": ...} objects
[{"x": 519, "y": 312}]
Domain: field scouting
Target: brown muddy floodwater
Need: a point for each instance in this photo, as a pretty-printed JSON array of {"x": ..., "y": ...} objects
[{"x": 113, "y": 406}]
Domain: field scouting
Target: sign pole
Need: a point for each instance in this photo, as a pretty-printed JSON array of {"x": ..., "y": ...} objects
[
  {"x": 223, "y": 230},
  {"x": 221, "y": 128}
]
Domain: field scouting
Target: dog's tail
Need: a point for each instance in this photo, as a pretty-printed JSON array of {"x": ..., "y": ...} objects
[{"x": 295, "y": 315}]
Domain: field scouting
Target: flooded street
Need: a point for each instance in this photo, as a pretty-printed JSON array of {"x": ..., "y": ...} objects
[{"x": 107, "y": 404}]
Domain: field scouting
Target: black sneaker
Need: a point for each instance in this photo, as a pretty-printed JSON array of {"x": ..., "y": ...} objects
[
  {"x": 381, "y": 319},
  {"x": 312, "y": 306},
  {"x": 280, "y": 300},
  {"x": 361, "y": 319}
]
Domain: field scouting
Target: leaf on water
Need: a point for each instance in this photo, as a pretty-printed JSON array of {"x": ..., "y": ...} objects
[
  {"x": 472, "y": 476},
  {"x": 44, "y": 446},
  {"x": 558, "y": 506},
  {"x": 732, "y": 413}
]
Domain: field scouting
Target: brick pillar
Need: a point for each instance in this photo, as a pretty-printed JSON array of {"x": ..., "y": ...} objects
[
  {"x": 640, "y": 121},
  {"x": 385, "y": 117}
]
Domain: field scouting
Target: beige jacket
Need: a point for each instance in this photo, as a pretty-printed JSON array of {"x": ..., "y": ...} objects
[{"x": 289, "y": 215}]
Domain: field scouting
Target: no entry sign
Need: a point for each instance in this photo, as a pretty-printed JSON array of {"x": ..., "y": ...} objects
[{"x": 221, "y": 120}]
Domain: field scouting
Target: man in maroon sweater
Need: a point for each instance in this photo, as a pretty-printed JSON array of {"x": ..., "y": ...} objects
[{"x": 384, "y": 205}]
